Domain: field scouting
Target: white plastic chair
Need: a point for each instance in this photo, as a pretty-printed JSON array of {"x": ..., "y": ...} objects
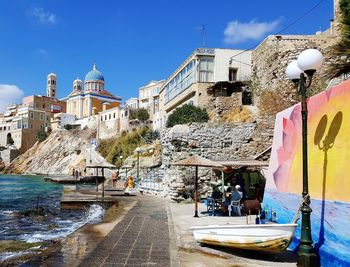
[{"x": 236, "y": 206}]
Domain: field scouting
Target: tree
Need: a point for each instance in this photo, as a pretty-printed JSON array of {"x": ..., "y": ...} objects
[
  {"x": 342, "y": 49},
  {"x": 140, "y": 114},
  {"x": 186, "y": 114}
]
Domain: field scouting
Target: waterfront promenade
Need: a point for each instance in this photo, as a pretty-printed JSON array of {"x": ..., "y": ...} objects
[
  {"x": 140, "y": 239},
  {"x": 156, "y": 232}
]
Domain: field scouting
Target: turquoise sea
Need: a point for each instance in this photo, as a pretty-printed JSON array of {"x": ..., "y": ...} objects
[{"x": 20, "y": 193}]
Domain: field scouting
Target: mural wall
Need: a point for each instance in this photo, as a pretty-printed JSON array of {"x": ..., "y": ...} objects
[{"x": 329, "y": 169}]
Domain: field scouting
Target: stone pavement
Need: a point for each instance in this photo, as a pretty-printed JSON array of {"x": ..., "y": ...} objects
[
  {"x": 182, "y": 219},
  {"x": 140, "y": 239}
]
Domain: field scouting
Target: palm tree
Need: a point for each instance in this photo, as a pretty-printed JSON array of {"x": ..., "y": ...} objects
[{"x": 342, "y": 49}]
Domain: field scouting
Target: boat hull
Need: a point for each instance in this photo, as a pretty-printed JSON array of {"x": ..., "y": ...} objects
[{"x": 264, "y": 237}]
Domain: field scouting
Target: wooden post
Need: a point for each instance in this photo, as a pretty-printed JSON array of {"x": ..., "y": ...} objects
[
  {"x": 103, "y": 183},
  {"x": 196, "y": 194}
]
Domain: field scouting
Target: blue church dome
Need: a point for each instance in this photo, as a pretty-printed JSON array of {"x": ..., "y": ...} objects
[{"x": 94, "y": 75}]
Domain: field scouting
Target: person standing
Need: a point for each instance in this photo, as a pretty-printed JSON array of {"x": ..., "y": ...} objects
[
  {"x": 114, "y": 178},
  {"x": 130, "y": 182}
]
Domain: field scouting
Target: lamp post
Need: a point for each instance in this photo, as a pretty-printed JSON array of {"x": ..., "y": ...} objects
[
  {"x": 301, "y": 71},
  {"x": 138, "y": 150},
  {"x": 121, "y": 161}
]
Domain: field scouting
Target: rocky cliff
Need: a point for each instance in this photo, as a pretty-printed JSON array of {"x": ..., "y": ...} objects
[{"x": 61, "y": 152}]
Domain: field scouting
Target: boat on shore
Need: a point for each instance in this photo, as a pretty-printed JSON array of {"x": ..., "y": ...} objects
[{"x": 263, "y": 237}]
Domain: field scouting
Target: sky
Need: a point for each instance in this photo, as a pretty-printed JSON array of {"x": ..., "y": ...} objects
[{"x": 132, "y": 42}]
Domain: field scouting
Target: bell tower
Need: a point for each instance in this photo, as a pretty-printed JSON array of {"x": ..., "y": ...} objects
[
  {"x": 51, "y": 86},
  {"x": 77, "y": 85}
]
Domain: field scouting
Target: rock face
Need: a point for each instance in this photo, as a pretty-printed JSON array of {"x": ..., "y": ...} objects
[
  {"x": 61, "y": 152},
  {"x": 212, "y": 141}
]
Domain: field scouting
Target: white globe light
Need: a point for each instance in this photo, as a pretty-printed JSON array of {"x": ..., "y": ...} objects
[
  {"x": 293, "y": 71},
  {"x": 310, "y": 60}
]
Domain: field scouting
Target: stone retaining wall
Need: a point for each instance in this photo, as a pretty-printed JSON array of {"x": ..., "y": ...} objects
[{"x": 212, "y": 141}]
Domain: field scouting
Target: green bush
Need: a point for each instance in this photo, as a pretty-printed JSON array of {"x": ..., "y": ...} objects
[
  {"x": 141, "y": 114},
  {"x": 41, "y": 136},
  {"x": 186, "y": 114},
  {"x": 124, "y": 145},
  {"x": 151, "y": 136},
  {"x": 68, "y": 127}
]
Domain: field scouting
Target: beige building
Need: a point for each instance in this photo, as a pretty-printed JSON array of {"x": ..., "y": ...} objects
[
  {"x": 22, "y": 124},
  {"x": 109, "y": 123},
  {"x": 22, "y": 127},
  {"x": 200, "y": 71},
  {"x": 149, "y": 96},
  {"x": 93, "y": 98}
]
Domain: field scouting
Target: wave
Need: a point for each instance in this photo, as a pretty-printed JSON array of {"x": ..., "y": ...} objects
[{"x": 93, "y": 215}]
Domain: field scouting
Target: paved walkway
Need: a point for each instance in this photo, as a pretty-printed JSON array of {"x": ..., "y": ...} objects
[{"x": 140, "y": 239}]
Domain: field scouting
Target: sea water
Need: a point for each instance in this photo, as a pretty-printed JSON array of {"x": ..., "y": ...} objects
[{"x": 20, "y": 193}]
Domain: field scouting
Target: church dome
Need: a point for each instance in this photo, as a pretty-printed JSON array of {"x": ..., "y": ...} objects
[{"x": 94, "y": 75}]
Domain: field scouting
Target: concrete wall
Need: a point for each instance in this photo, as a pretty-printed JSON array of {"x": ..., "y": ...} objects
[
  {"x": 8, "y": 155},
  {"x": 328, "y": 166},
  {"x": 222, "y": 63}
]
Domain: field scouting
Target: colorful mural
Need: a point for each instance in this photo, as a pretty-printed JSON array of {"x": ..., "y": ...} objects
[{"x": 328, "y": 162}]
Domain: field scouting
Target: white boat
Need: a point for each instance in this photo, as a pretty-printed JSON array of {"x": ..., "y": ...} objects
[{"x": 265, "y": 237}]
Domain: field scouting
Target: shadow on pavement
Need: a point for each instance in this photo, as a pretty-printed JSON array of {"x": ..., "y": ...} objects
[{"x": 284, "y": 256}]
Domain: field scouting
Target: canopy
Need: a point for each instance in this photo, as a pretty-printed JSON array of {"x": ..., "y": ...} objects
[{"x": 198, "y": 161}]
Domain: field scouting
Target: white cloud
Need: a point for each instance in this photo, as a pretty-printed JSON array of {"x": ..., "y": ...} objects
[
  {"x": 42, "y": 52},
  {"x": 237, "y": 32},
  {"x": 43, "y": 16},
  {"x": 9, "y": 94}
]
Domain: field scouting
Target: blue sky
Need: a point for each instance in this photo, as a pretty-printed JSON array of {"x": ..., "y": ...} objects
[{"x": 132, "y": 42}]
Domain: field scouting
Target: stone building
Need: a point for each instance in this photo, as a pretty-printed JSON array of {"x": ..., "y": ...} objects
[
  {"x": 272, "y": 91},
  {"x": 93, "y": 98},
  {"x": 201, "y": 70}
]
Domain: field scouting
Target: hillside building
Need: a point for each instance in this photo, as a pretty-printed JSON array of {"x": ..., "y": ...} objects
[
  {"x": 93, "y": 98},
  {"x": 201, "y": 70}
]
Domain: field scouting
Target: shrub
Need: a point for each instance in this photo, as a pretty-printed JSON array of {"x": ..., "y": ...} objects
[
  {"x": 41, "y": 136},
  {"x": 124, "y": 145},
  {"x": 186, "y": 114},
  {"x": 141, "y": 114},
  {"x": 151, "y": 136},
  {"x": 341, "y": 50},
  {"x": 68, "y": 127}
]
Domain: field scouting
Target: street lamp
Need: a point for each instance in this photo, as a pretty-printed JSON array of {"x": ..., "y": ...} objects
[
  {"x": 301, "y": 71},
  {"x": 138, "y": 151},
  {"x": 121, "y": 162}
]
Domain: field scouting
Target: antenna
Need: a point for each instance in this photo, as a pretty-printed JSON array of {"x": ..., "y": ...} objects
[{"x": 201, "y": 29}]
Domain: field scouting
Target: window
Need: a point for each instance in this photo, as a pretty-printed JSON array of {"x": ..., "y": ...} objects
[
  {"x": 232, "y": 74},
  {"x": 109, "y": 116},
  {"x": 101, "y": 118},
  {"x": 113, "y": 115},
  {"x": 48, "y": 82},
  {"x": 105, "y": 117},
  {"x": 31, "y": 115},
  {"x": 206, "y": 70},
  {"x": 41, "y": 117},
  {"x": 180, "y": 82}
]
